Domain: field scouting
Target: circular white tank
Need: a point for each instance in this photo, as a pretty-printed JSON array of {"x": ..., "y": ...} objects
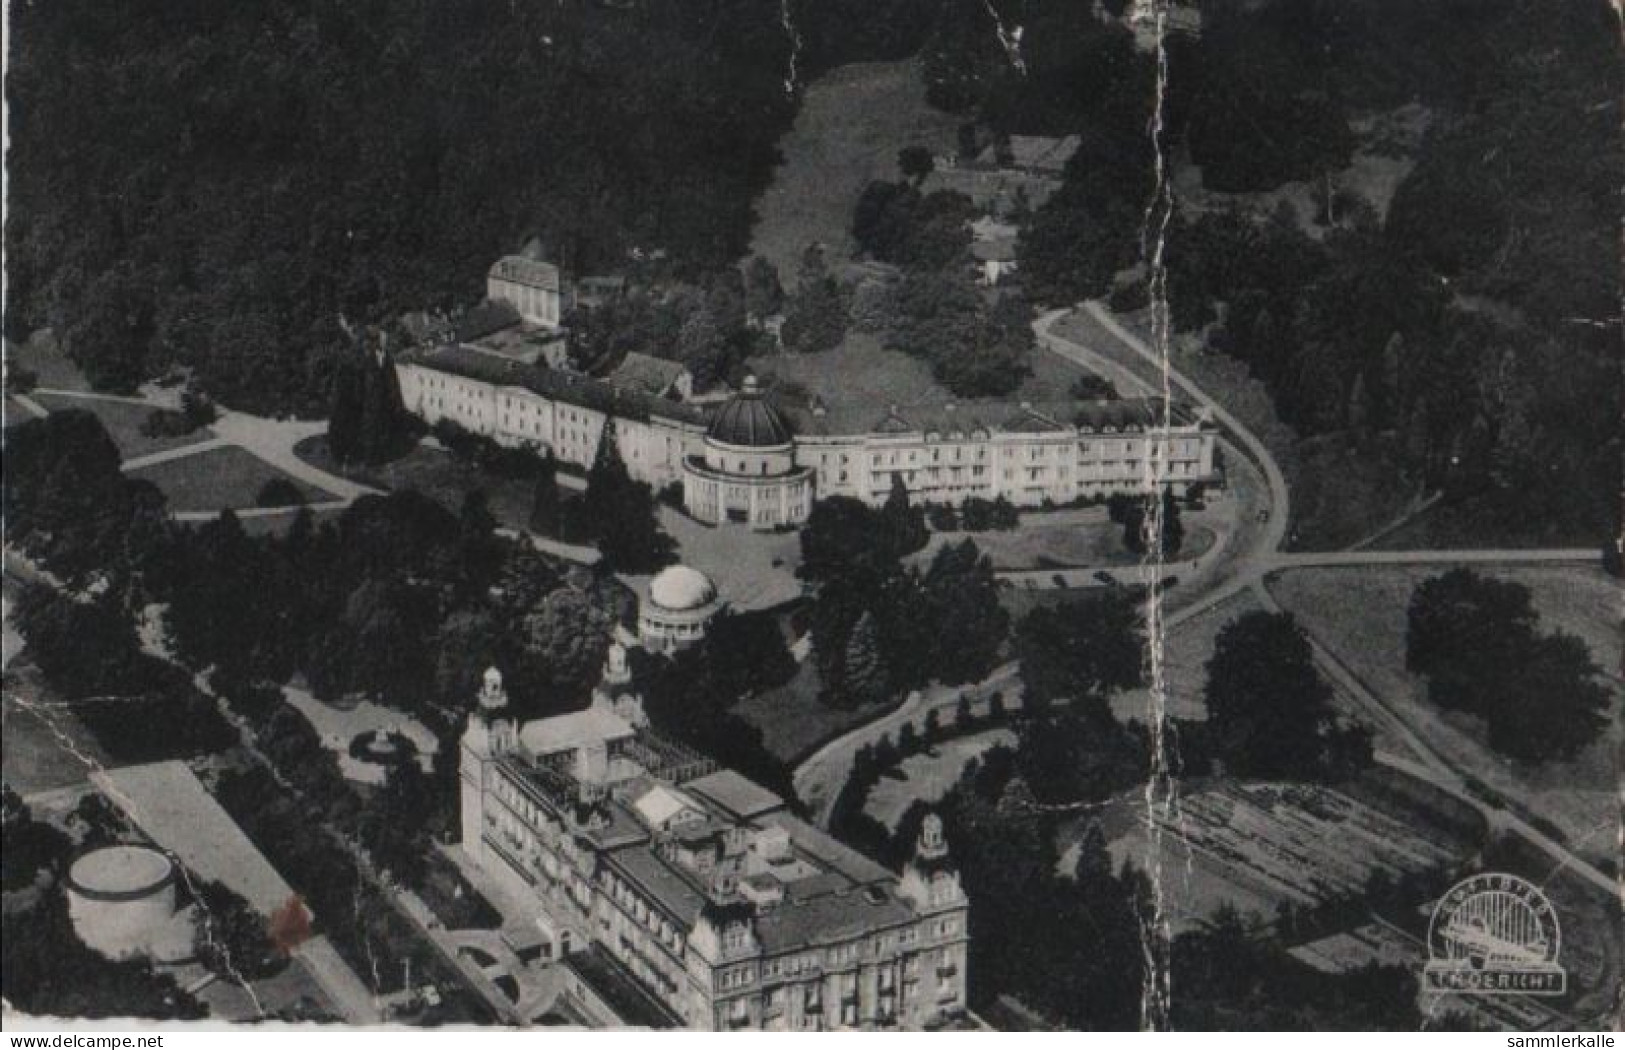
[{"x": 121, "y": 899}]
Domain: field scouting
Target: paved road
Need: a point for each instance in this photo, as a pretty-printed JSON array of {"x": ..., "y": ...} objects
[
  {"x": 273, "y": 440},
  {"x": 1265, "y": 556},
  {"x": 1507, "y": 556},
  {"x": 152, "y": 459},
  {"x": 350, "y": 997},
  {"x": 1250, "y": 561}
]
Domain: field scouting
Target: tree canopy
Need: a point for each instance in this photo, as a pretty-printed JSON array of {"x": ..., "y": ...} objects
[{"x": 1476, "y": 639}]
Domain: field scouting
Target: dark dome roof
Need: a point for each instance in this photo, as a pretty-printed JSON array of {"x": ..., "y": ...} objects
[{"x": 748, "y": 420}]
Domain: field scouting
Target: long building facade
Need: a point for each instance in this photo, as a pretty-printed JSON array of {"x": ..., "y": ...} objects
[
  {"x": 762, "y": 463},
  {"x": 696, "y": 892}
]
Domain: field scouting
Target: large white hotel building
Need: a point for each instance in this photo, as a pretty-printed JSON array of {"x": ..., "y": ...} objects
[{"x": 760, "y": 461}]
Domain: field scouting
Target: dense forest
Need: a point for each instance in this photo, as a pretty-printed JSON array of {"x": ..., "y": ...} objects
[
  {"x": 222, "y": 186},
  {"x": 218, "y": 184},
  {"x": 1471, "y": 332}
]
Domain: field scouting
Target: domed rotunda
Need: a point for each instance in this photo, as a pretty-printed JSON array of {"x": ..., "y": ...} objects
[
  {"x": 748, "y": 474},
  {"x": 676, "y": 609}
]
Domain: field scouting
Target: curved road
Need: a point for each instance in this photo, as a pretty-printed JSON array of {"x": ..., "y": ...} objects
[
  {"x": 1254, "y": 560},
  {"x": 1265, "y": 556}
]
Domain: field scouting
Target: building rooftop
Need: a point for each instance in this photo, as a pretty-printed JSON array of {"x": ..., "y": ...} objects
[
  {"x": 596, "y": 394},
  {"x": 676, "y": 893},
  {"x": 749, "y": 420},
  {"x": 653, "y": 376},
  {"x": 679, "y": 588},
  {"x": 957, "y": 421},
  {"x": 123, "y": 872},
  {"x": 829, "y": 918},
  {"x": 738, "y": 797},
  {"x": 593, "y": 725},
  {"x": 659, "y": 804},
  {"x": 533, "y": 273}
]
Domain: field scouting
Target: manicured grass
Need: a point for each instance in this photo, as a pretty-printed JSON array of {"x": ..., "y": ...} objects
[
  {"x": 123, "y": 422},
  {"x": 930, "y": 775},
  {"x": 41, "y": 355},
  {"x": 1060, "y": 546},
  {"x": 860, "y": 379},
  {"x": 42, "y": 747},
  {"x": 218, "y": 479},
  {"x": 1186, "y": 651},
  {"x": 437, "y": 474},
  {"x": 851, "y": 123},
  {"x": 1359, "y": 615},
  {"x": 1514, "y": 523},
  {"x": 792, "y": 719}
]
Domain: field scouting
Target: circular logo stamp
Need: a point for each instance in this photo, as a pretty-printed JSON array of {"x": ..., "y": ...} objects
[{"x": 1494, "y": 934}]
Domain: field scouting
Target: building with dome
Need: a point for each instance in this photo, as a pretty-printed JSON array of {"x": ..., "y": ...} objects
[
  {"x": 760, "y": 461},
  {"x": 676, "y": 608},
  {"x": 747, "y": 473}
]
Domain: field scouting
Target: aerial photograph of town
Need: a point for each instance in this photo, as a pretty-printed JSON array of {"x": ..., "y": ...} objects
[{"x": 814, "y": 515}]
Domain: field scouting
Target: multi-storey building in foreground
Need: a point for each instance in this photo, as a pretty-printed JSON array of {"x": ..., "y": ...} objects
[{"x": 654, "y": 871}]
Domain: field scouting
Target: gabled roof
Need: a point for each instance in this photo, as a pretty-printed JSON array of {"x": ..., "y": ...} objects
[
  {"x": 568, "y": 387},
  {"x": 658, "y": 805},
  {"x": 650, "y": 375},
  {"x": 532, "y": 273}
]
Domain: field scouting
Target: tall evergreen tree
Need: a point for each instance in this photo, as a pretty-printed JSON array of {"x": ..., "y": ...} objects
[
  {"x": 962, "y": 610},
  {"x": 904, "y": 525},
  {"x": 621, "y": 512},
  {"x": 546, "y": 507},
  {"x": 344, "y": 414},
  {"x": 865, "y": 678}
]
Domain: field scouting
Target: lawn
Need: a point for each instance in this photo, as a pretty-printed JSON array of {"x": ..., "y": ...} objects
[
  {"x": 860, "y": 379},
  {"x": 437, "y": 474},
  {"x": 123, "y": 421},
  {"x": 928, "y": 776},
  {"x": 851, "y": 124},
  {"x": 42, "y": 747},
  {"x": 41, "y": 355},
  {"x": 1359, "y": 615},
  {"x": 1058, "y": 546},
  {"x": 793, "y": 720},
  {"x": 1483, "y": 523},
  {"x": 1186, "y": 652},
  {"x": 218, "y": 479}
]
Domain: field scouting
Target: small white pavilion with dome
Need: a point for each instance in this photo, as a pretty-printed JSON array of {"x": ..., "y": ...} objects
[{"x": 678, "y": 607}]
